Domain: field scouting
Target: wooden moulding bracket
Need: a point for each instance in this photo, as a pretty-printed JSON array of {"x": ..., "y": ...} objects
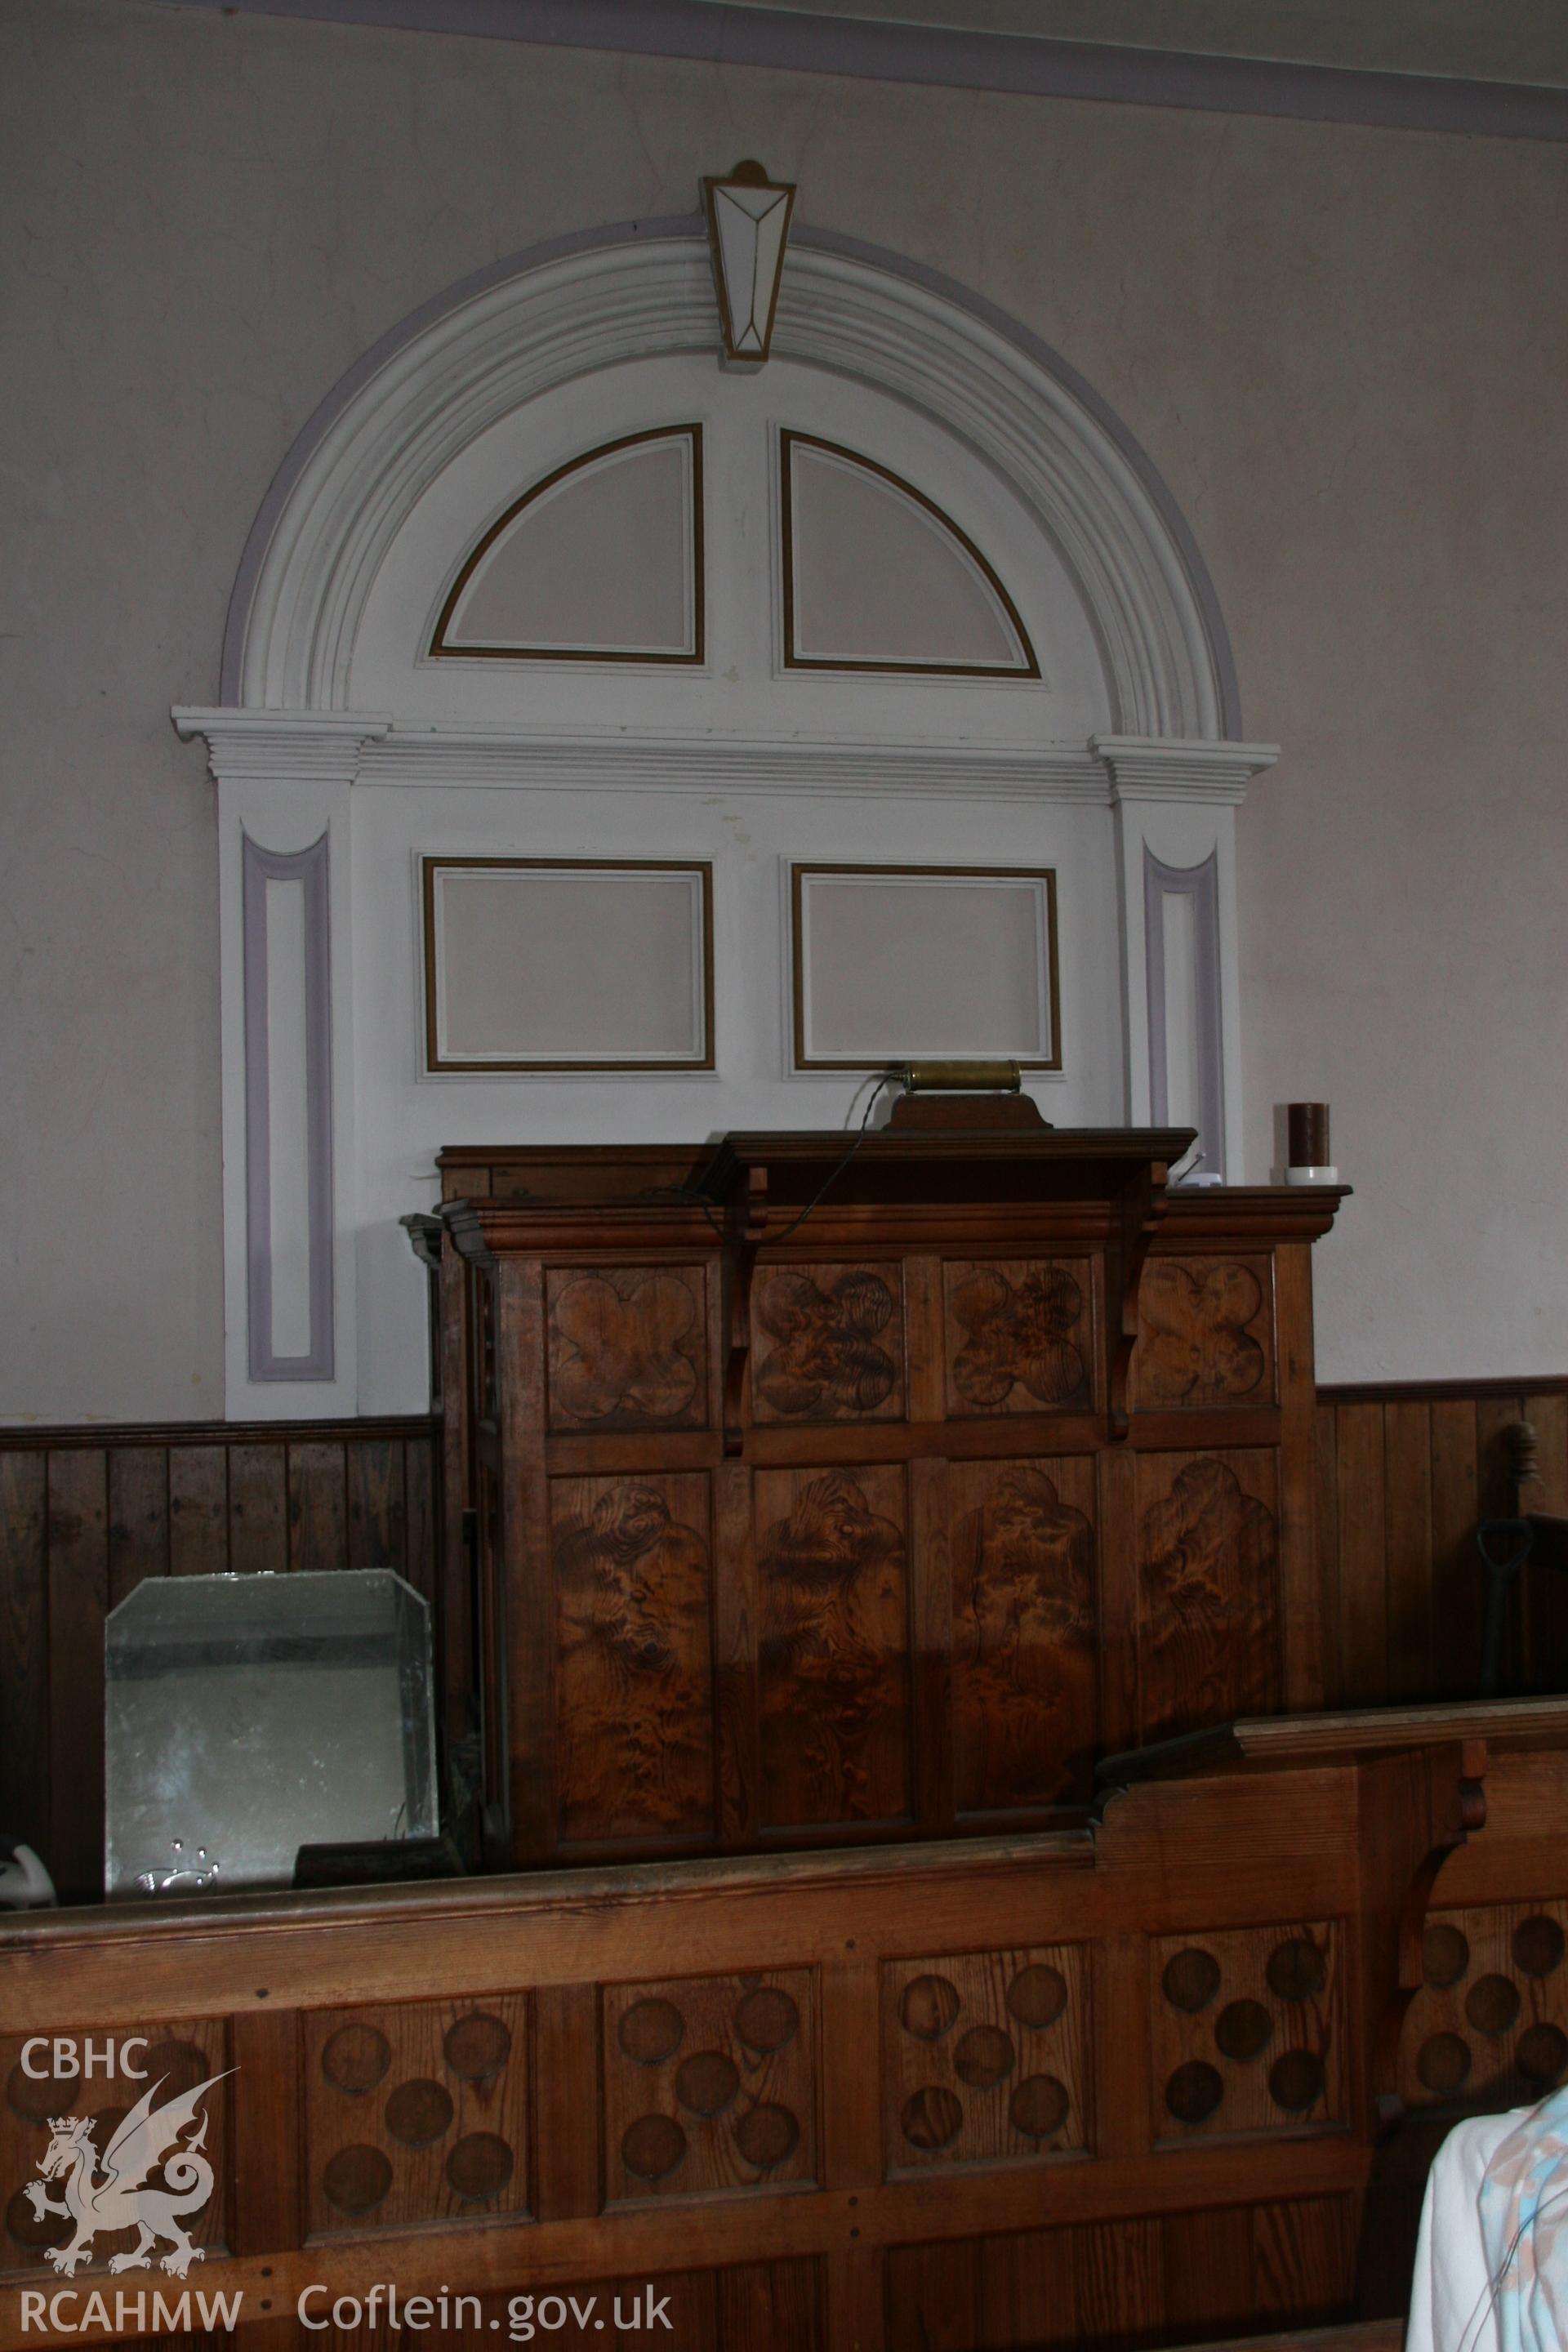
[
  {"x": 745, "y": 1228},
  {"x": 1416, "y": 1809},
  {"x": 1143, "y": 1209}
]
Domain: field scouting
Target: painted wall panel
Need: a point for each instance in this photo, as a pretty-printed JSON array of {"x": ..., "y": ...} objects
[{"x": 1340, "y": 345}]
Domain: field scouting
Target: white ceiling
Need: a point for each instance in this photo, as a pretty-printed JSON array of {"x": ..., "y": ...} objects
[{"x": 1483, "y": 41}]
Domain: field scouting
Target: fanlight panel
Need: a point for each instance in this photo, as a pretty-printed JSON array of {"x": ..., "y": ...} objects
[
  {"x": 602, "y": 560},
  {"x": 877, "y": 577}
]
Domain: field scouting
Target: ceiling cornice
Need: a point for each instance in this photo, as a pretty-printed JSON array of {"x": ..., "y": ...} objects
[{"x": 1022, "y": 65}]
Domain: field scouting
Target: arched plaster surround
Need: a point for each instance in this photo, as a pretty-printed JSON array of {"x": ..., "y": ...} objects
[
  {"x": 292, "y": 756},
  {"x": 443, "y": 377}
]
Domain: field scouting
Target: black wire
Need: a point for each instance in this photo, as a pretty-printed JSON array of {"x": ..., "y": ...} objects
[
  {"x": 886, "y": 1078},
  {"x": 684, "y": 1196},
  {"x": 1487, "y": 2302}
]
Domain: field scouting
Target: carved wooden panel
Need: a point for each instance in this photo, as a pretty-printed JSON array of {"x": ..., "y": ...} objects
[
  {"x": 628, "y": 1346},
  {"x": 1488, "y": 2028},
  {"x": 417, "y": 2113},
  {"x": 634, "y": 1676},
  {"x": 178, "y": 2059},
  {"x": 1025, "y": 1645},
  {"x": 828, "y": 1343},
  {"x": 1206, "y": 1333},
  {"x": 985, "y": 2058},
  {"x": 1208, "y": 1604},
  {"x": 1248, "y": 2031},
  {"x": 833, "y": 1648},
  {"x": 483, "y": 1311},
  {"x": 710, "y": 2083},
  {"x": 1019, "y": 1335}
]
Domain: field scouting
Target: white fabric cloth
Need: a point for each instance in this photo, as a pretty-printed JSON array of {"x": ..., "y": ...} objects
[{"x": 1491, "y": 2261}]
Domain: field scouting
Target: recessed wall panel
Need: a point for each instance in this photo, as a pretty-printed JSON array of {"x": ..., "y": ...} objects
[
  {"x": 896, "y": 962},
  {"x": 561, "y": 966}
]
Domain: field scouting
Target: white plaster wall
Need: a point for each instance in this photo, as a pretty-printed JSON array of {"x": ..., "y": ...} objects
[{"x": 1345, "y": 349}]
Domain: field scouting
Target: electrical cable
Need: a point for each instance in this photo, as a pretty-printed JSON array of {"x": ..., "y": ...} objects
[{"x": 685, "y": 1196}]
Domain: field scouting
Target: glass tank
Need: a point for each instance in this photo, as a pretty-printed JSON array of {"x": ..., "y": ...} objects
[{"x": 247, "y": 1716}]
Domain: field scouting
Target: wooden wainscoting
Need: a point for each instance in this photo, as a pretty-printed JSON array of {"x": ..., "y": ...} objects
[
  {"x": 85, "y": 1513},
  {"x": 1405, "y": 1474}
]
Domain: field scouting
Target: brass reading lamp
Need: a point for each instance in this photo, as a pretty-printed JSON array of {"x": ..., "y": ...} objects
[
  {"x": 976, "y": 1094},
  {"x": 961, "y": 1078}
]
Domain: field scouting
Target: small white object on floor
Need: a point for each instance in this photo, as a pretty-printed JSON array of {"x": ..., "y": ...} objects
[
  {"x": 25, "y": 1883},
  {"x": 1491, "y": 2261}
]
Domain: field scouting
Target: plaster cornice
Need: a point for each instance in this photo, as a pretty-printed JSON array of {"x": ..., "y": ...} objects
[
  {"x": 1018, "y": 64},
  {"x": 330, "y": 747},
  {"x": 709, "y": 763},
  {"x": 1142, "y": 768},
  {"x": 316, "y": 747}
]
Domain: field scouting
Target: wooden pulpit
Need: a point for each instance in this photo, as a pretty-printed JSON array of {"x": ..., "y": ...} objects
[{"x": 823, "y": 1495}]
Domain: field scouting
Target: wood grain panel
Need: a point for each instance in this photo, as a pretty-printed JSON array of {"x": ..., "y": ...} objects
[
  {"x": 1026, "y": 2290},
  {"x": 985, "y": 2058},
  {"x": 517, "y": 1603},
  {"x": 1304, "y": 2259},
  {"x": 1118, "y": 2275},
  {"x": 931, "y": 1618},
  {"x": 633, "y": 1644},
  {"x": 1407, "y": 1548},
  {"x": 628, "y": 1346},
  {"x": 1123, "y": 2283},
  {"x": 25, "y": 1689},
  {"x": 1326, "y": 1530},
  {"x": 1208, "y": 2271},
  {"x": 258, "y": 1509},
  {"x": 1206, "y": 1334},
  {"x": 1457, "y": 1598},
  {"x": 710, "y": 2083},
  {"x": 738, "y": 1731},
  {"x": 1247, "y": 2033},
  {"x": 375, "y": 1504},
  {"x": 267, "y": 2096},
  {"x": 1020, "y": 1335},
  {"x": 761, "y": 2306},
  {"x": 199, "y": 1510},
  {"x": 77, "y": 1602},
  {"x": 417, "y": 2112},
  {"x": 1304, "y": 1629},
  {"x": 827, "y": 1343},
  {"x": 1494, "y": 1416},
  {"x": 318, "y": 1507},
  {"x": 569, "y": 2166},
  {"x": 1547, "y": 1414},
  {"x": 833, "y": 1659},
  {"x": 1488, "y": 2028},
  {"x": 138, "y": 1517},
  {"x": 1363, "y": 1554},
  {"x": 420, "y": 1563},
  {"x": 1209, "y": 1644},
  {"x": 1025, "y": 1633},
  {"x": 1404, "y": 1477}
]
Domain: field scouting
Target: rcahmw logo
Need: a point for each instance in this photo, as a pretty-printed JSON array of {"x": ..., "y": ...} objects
[
  {"x": 111, "y": 2189},
  {"x": 69, "y": 2311}
]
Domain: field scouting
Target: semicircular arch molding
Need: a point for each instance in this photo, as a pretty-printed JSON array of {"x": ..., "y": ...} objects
[{"x": 479, "y": 352}]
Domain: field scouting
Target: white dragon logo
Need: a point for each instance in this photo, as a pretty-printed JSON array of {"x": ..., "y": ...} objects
[{"x": 149, "y": 2136}]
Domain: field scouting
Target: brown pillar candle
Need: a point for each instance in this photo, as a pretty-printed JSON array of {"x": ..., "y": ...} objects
[{"x": 1309, "y": 1130}]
